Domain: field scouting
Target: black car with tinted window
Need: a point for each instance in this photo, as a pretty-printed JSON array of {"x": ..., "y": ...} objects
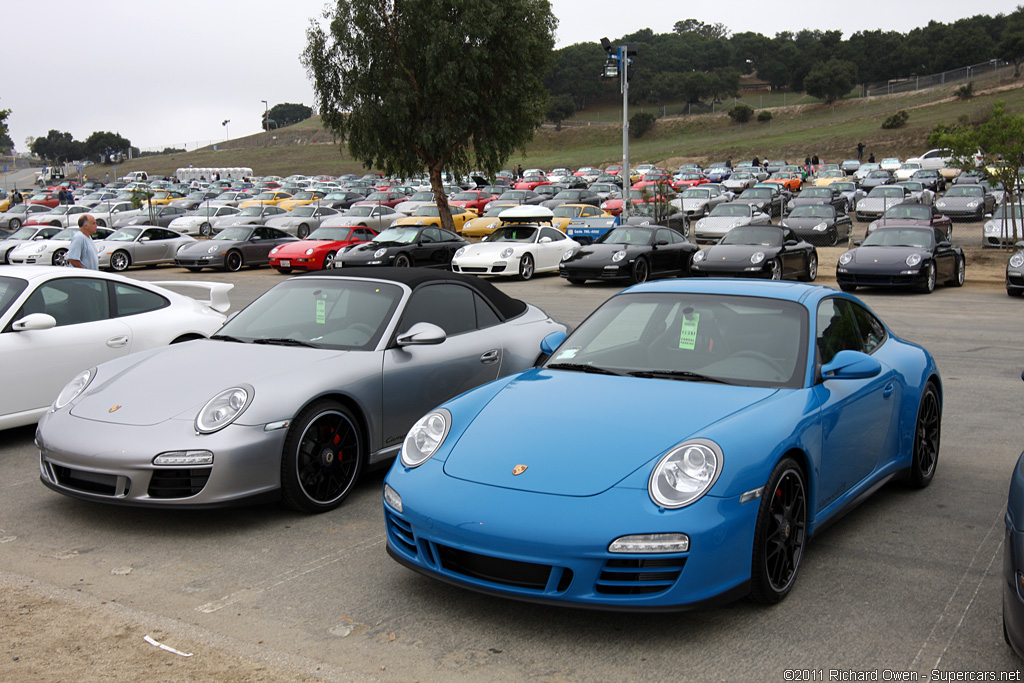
[{"x": 630, "y": 252}]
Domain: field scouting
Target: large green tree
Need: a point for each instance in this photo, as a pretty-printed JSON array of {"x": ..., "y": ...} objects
[
  {"x": 6, "y": 144},
  {"x": 1011, "y": 46},
  {"x": 414, "y": 84},
  {"x": 102, "y": 143},
  {"x": 286, "y": 114},
  {"x": 58, "y": 147},
  {"x": 831, "y": 80}
]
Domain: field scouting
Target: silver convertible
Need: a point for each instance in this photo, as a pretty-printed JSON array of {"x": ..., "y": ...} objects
[{"x": 315, "y": 381}]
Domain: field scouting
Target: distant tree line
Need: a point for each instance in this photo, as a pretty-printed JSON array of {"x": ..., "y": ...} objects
[
  {"x": 698, "y": 62},
  {"x": 61, "y": 147}
]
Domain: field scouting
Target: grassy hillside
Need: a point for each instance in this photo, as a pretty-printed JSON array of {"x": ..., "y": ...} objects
[{"x": 830, "y": 131}]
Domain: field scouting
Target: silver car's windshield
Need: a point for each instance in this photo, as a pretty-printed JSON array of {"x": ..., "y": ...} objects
[
  {"x": 233, "y": 234},
  {"x": 731, "y": 210},
  {"x": 10, "y": 288},
  {"x": 334, "y": 313},
  {"x": 813, "y": 211},
  {"x": 749, "y": 341}
]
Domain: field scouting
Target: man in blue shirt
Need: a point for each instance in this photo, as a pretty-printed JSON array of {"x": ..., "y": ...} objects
[{"x": 82, "y": 253}]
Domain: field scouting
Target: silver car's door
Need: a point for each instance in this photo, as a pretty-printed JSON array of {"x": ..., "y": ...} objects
[
  {"x": 38, "y": 363},
  {"x": 418, "y": 378}
]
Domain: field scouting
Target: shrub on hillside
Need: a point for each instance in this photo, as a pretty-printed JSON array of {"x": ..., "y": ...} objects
[
  {"x": 741, "y": 113},
  {"x": 764, "y": 115},
  {"x": 640, "y": 124},
  {"x": 897, "y": 120},
  {"x": 965, "y": 91}
]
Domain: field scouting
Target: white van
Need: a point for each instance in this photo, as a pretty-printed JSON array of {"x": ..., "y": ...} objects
[{"x": 136, "y": 177}]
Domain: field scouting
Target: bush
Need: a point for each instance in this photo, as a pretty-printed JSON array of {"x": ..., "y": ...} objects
[
  {"x": 741, "y": 113},
  {"x": 966, "y": 91},
  {"x": 640, "y": 124},
  {"x": 764, "y": 115},
  {"x": 897, "y": 120}
]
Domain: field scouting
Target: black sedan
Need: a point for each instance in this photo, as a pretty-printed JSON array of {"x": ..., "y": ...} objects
[
  {"x": 820, "y": 224},
  {"x": 232, "y": 248},
  {"x": 573, "y": 197},
  {"x": 763, "y": 251},
  {"x": 904, "y": 256},
  {"x": 630, "y": 252},
  {"x": 342, "y": 199},
  {"x": 403, "y": 246},
  {"x": 814, "y": 196}
]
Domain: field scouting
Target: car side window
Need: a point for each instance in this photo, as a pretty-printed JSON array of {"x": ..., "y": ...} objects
[
  {"x": 70, "y": 301},
  {"x": 450, "y": 307},
  {"x": 431, "y": 235},
  {"x": 836, "y": 329},
  {"x": 872, "y": 331},
  {"x": 555, "y": 235},
  {"x": 131, "y": 300}
]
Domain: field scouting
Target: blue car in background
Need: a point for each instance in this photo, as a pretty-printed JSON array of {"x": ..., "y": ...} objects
[{"x": 679, "y": 449}]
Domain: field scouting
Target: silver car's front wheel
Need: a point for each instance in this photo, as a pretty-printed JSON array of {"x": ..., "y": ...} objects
[{"x": 322, "y": 459}]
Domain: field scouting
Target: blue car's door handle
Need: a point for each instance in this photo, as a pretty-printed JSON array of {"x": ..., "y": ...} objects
[
  {"x": 490, "y": 356},
  {"x": 889, "y": 388}
]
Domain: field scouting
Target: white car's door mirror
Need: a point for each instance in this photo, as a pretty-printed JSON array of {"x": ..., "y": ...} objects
[{"x": 34, "y": 321}]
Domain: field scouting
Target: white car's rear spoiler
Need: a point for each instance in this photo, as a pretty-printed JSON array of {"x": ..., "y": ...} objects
[{"x": 217, "y": 292}]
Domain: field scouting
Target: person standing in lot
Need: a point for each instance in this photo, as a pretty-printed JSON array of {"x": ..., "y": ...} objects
[{"x": 82, "y": 253}]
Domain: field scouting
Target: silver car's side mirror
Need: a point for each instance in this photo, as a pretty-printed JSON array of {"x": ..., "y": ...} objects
[
  {"x": 422, "y": 334},
  {"x": 34, "y": 321}
]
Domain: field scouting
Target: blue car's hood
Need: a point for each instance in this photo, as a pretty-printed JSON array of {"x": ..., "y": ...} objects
[
  {"x": 580, "y": 434},
  {"x": 153, "y": 387}
]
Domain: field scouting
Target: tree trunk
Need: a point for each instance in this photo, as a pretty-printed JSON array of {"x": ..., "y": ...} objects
[{"x": 440, "y": 198}]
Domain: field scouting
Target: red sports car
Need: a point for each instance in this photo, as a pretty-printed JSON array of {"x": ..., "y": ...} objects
[
  {"x": 473, "y": 199},
  {"x": 317, "y": 251},
  {"x": 531, "y": 182},
  {"x": 385, "y": 198},
  {"x": 50, "y": 199},
  {"x": 689, "y": 180},
  {"x": 614, "y": 206}
]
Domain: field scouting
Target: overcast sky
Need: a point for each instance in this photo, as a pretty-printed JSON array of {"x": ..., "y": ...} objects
[{"x": 168, "y": 74}]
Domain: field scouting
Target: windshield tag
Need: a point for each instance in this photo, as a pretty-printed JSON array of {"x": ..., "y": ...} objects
[
  {"x": 688, "y": 332},
  {"x": 321, "y": 312}
]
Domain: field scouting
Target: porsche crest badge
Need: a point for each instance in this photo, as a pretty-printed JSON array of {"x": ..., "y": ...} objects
[
  {"x": 518, "y": 469},
  {"x": 114, "y": 408}
]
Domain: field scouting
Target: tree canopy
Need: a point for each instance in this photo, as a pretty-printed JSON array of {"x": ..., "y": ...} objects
[
  {"x": 831, "y": 80},
  {"x": 414, "y": 84},
  {"x": 6, "y": 144},
  {"x": 285, "y": 114}
]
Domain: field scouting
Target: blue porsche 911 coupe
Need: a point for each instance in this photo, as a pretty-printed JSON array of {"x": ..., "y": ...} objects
[{"x": 679, "y": 449}]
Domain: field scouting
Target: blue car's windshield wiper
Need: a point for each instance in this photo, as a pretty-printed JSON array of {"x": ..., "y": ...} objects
[
  {"x": 284, "y": 341},
  {"x": 684, "y": 375},
  {"x": 580, "y": 367}
]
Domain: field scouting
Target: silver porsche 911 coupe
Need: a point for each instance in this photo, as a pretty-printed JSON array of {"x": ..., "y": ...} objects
[{"x": 313, "y": 382}]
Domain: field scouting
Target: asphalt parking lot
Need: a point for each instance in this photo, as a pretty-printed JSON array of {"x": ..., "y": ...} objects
[{"x": 907, "y": 582}]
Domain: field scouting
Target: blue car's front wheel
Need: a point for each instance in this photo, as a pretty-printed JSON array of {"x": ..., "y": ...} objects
[
  {"x": 323, "y": 456},
  {"x": 780, "y": 535}
]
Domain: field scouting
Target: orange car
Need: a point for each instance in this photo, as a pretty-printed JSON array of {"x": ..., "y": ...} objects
[{"x": 791, "y": 181}]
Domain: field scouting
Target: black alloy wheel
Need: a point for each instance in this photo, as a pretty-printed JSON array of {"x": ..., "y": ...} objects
[
  {"x": 927, "y": 434},
  {"x": 323, "y": 457},
  {"x": 780, "y": 533}
]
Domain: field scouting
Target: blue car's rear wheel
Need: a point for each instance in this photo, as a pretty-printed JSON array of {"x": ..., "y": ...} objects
[
  {"x": 323, "y": 456},
  {"x": 927, "y": 434},
  {"x": 780, "y": 535}
]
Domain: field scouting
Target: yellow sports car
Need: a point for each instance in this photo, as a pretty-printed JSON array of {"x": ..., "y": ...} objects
[
  {"x": 301, "y": 199},
  {"x": 827, "y": 177},
  {"x": 429, "y": 214},
  {"x": 488, "y": 223},
  {"x": 566, "y": 212},
  {"x": 162, "y": 197},
  {"x": 268, "y": 198}
]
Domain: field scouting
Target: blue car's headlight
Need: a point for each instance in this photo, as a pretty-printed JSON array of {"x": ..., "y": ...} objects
[
  {"x": 223, "y": 409},
  {"x": 73, "y": 388},
  {"x": 685, "y": 473},
  {"x": 425, "y": 437}
]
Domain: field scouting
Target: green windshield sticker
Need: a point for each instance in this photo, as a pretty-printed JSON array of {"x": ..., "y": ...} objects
[
  {"x": 688, "y": 333},
  {"x": 321, "y": 312}
]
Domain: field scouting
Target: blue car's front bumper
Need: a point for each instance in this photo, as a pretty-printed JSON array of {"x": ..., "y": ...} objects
[{"x": 546, "y": 548}]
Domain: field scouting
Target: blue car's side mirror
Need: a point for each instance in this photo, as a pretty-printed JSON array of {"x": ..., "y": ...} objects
[
  {"x": 851, "y": 365},
  {"x": 551, "y": 342}
]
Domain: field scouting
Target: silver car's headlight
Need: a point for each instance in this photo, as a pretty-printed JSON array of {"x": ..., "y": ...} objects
[
  {"x": 913, "y": 260},
  {"x": 73, "y": 388},
  {"x": 506, "y": 253},
  {"x": 757, "y": 257},
  {"x": 699, "y": 256},
  {"x": 213, "y": 249},
  {"x": 845, "y": 258},
  {"x": 820, "y": 227},
  {"x": 460, "y": 251},
  {"x": 380, "y": 252},
  {"x": 223, "y": 409},
  {"x": 425, "y": 437},
  {"x": 618, "y": 256},
  {"x": 685, "y": 473},
  {"x": 1017, "y": 260}
]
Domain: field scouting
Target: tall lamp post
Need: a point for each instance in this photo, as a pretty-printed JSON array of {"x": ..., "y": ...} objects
[
  {"x": 266, "y": 119},
  {"x": 225, "y": 123},
  {"x": 617, "y": 64}
]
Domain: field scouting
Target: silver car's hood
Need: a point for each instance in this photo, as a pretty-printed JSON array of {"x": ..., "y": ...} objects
[{"x": 177, "y": 380}]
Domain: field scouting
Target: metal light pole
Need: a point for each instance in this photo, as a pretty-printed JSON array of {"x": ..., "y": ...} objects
[
  {"x": 617, "y": 64},
  {"x": 266, "y": 119},
  {"x": 225, "y": 123}
]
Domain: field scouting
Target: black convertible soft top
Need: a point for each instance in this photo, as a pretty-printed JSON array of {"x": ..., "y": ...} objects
[{"x": 506, "y": 306}]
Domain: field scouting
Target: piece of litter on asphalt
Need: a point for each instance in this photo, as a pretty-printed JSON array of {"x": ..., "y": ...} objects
[
  {"x": 166, "y": 647},
  {"x": 121, "y": 571}
]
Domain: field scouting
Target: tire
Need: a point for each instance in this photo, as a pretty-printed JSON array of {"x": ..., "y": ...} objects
[
  {"x": 961, "y": 272},
  {"x": 402, "y": 261},
  {"x": 328, "y": 260},
  {"x": 303, "y": 231},
  {"x": 322, "y": 459},
  {"x": 927, "y": 433},
  {"x": 120, "y": 261},
  {"x": 193, "y": 269},
  {"x": 640, "y": 271},
  {"x": 928, "y": 286},
  {"x": 15, "y": 224},
  {"x": 1015, "y": 293},
  {"x": 780, "y": 534},
  {"x": 101, "y": 223},
  {"x": 812, "y": 269},
  {"x": 526, "y": 268},
  {"x": 205, "y": 229},
  {"x": 284, "y": 271},
  {"x": 56, "y": 224},
  {"x": 58, "y": 257},
  {"x": 847, "y": 287},
  {"x": 576, "y": 280},
  {"x": 833, "y": 237},
  {"x": 233, "y": 261},
  {"x": 775, "y": 272}
]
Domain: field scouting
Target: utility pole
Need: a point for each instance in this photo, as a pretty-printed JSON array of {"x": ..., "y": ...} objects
[{"x": 617, "y": 64}]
